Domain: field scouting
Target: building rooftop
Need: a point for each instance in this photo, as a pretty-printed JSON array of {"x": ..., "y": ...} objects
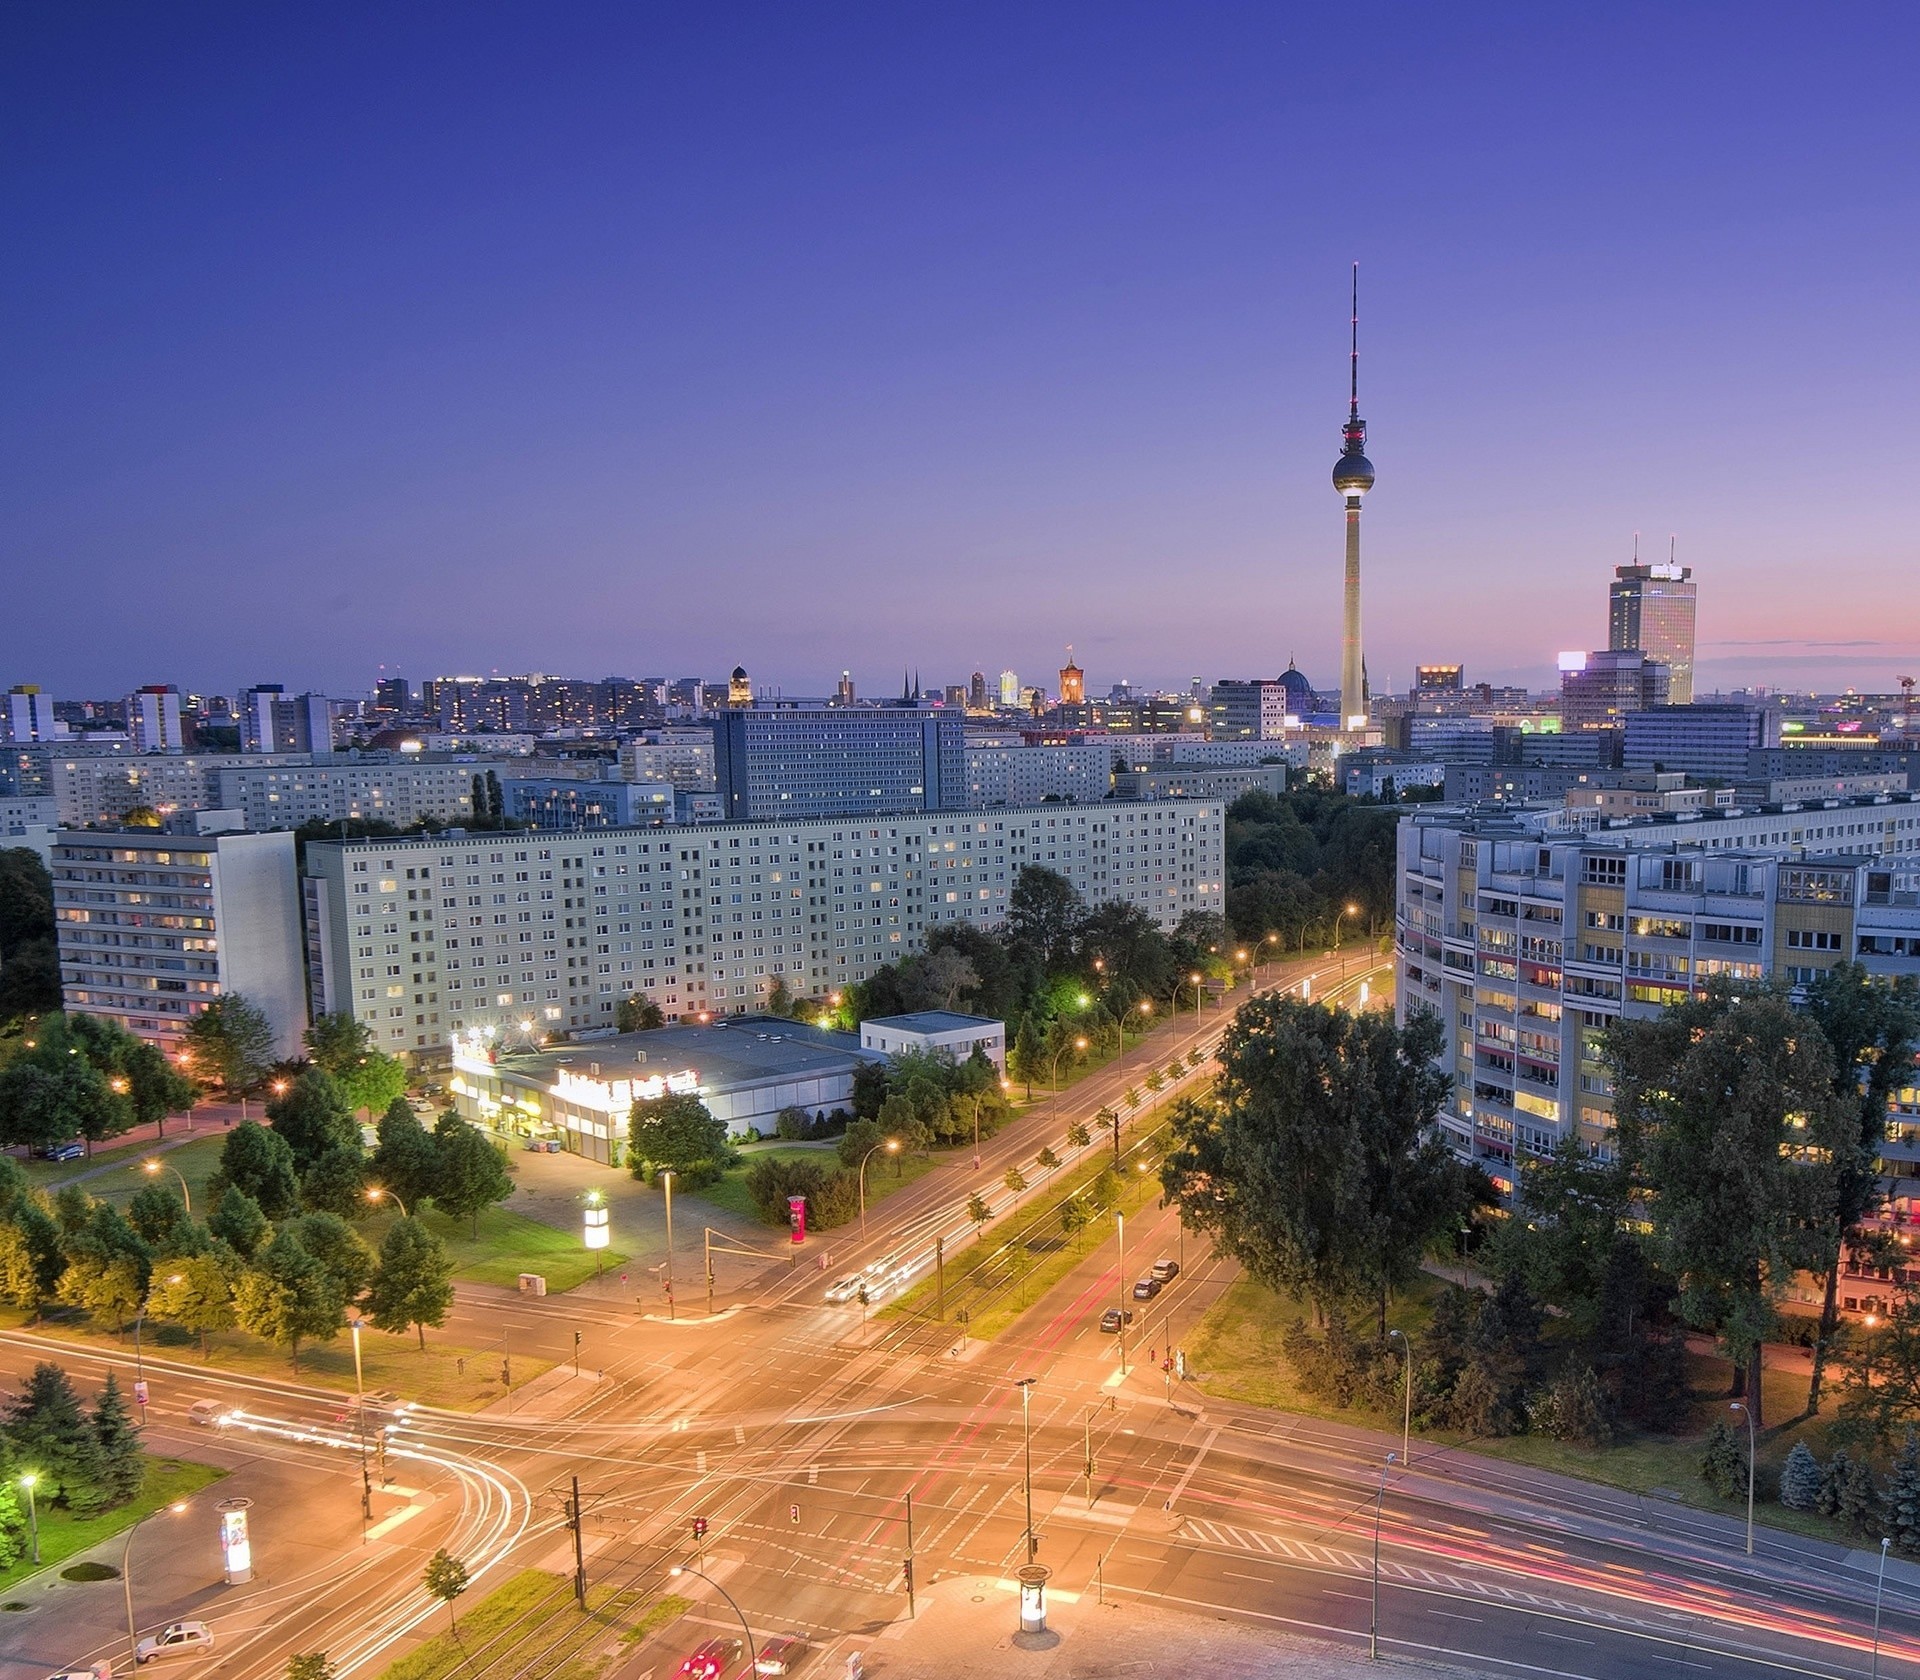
[
  {"x": 744, "y": 1050},
  {"x": 933, "y": 1021}
]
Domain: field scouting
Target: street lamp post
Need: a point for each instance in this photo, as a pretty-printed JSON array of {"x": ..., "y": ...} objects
[
  {"x": 1742, "y": 1406},
  {"x": 29, "y": 1481},
  {"x": 1379, "y": 1499},
  {"x": 360, "y": 1420},
  {"x": 376, "y": 1193},
  {"x": 1025, "y": 1385},
  {"x": 753, "y": 1651},
  {"x": 186, "y": 1195},
  {"x": 668, "y": 1176},
  {"x": 1120, "y": 1224},
  {"x": 892, "y": 1147},
  {"x": 1406, "y": 1419},
  {"x": 1880, "y": 1586},
  {"x": 126, "y": 1574},
  {"x": 1345, "y": 910},
  {"x": 1194, "y": 981}
]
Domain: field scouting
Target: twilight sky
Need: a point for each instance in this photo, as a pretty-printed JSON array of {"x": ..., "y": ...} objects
[{"x": 642, "y": 339}]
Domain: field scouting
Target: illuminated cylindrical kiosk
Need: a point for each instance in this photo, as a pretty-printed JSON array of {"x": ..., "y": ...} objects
[
  {"x": 236, "y": 1549},
  {"x": 1033, "y": 1597}
]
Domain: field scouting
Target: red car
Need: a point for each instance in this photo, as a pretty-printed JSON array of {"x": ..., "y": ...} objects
[{"x": 712, "y": 1660}]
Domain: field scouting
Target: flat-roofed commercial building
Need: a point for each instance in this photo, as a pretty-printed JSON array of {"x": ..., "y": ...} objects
[
  {"x": 152, "y": 928},
  {"x": 426, "y": 937},
  {"x": 824, "y": 761}
]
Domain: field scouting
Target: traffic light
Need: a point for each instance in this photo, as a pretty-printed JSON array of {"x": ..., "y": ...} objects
[
  {"x": 699, "y": 1528},
  {"x": 906, "y": 1571}
]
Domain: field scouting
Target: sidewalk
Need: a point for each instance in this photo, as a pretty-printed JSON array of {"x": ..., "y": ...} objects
[{"x": 964, "y": 1619}]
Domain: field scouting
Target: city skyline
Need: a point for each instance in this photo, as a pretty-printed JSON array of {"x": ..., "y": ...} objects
[{"x": 465, "y": 398}]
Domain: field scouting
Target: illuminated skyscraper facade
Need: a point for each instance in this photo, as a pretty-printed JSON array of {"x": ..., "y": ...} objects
[{"x": 1651, "y": 608}]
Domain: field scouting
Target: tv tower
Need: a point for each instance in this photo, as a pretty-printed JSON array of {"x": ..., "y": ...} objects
[{"x": 1353, "y": 478}]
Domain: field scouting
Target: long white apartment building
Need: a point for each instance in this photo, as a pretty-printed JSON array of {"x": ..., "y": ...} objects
[
  {"x": 1003, "y": 769},
  {"x": 154, "y": 927},
  {"x": 1527, "y": 944},
  {"x": 546, "y": 931},
  {"x": 271, "y": 790}
]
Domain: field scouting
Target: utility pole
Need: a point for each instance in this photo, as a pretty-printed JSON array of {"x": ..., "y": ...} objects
[
  {"x": 940, "y": 1277},
  {"x": 910, "y": 1608},
  {"x": 579, "y": 1547}
]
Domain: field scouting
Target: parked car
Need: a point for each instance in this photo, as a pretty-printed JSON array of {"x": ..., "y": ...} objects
[
  {"x": 71, "y": 1150},
  {"x": 1114, "y": 1320},
  {"x": 177, "y": 1639},
  {"x": 208, "y": 1414},
  {"x": 1166, "y": 1270},
  {"x": 781, "y": 1654},
  {"x": 1146, "y": 1289},
  {"x": 843, "y": 1289},
  {"x": 711, "y": 1660}
]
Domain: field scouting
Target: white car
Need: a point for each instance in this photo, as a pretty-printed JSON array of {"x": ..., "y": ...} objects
[
  {"x": 176, "y": 1639},
  {"x": 209, "y": 1414},
  {"x": 843, "y": 1289}
]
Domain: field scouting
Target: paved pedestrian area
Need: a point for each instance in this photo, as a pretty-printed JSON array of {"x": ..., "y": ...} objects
[{"x": 968, "y": 1626}]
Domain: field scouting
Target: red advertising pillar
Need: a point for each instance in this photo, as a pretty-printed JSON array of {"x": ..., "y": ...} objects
[{"x": 797, "y": 1217}]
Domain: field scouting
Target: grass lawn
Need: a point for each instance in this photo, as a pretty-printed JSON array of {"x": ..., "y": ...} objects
[
  {"x": 461, "y": 1378},
  {"x": 508, "y": 1244},
  {"x": 1023, "y": 1254},
  {"x": 62, "y": 1535},
  {"x": 1236, "y": 1355},
  {"x": 537, "y": 1606},
  {"x": 883, "y": 1177},
  {"x": 195, "y": 1162}
]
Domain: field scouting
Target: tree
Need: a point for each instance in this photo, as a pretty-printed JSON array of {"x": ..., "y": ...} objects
[
  {"x": 238, "y": 1222},
  {"x": 287, "y": 1297},
  {"x": 313, "y": 1117},
  {"x": 1725, "y": 1106},
  {"x": 1870, "y": 1026},
  {"x": 858, "y": 1139},
  {"x": 469, "y": 1173},
  {"x": 196, "y": 1294},
  {"x": 938, "y": 980},
  {"x": 405, "y": 1161},
  {"x": 30, "y": 1258},
  {"x": 153, "y": 1213},
  {"x": 122, "y": 1462},
  {"x": 675, "y": 1131},
  {"x": 44, "y": 1103},
  {"x": 50, "y": 1434},
  {"x": 1044, "y": 916},
  {"x": 1078, "y": 1135},
  {"x": 1723, "y": 1462},
  {"x": 343, "y": 1256},
  {"x": 310, "y": 1665},
  {"x": 446, "y": 1578},
  {"x": 1129, "y": 942},
  {"x": 1880, "y": 1373},
  {"x": 29, "y": 964},
  {"x": 337, "y": 1183},
  {"x": 1900, "y": 1499},
  {"x": 367, "y": 1077},
  {"x": 1858, "y": 1500},
  {"x": 869, "y": 1089},
  {"x": 638, "y": 1013},
  {"x": 414, "y": 1283},
  {"x": 1075, "y": 1216},
  {"x": 230, "y": 1043},
  {"x": 1312, "y": 1160},
  {"x": 259, "y": 1163},
  {"x": 155, "y": 1087},
  {"x": 1046, "y": 1160},
  {"x": 1029, "y": 1056},
  {"x": 977, "y": 1210},
  {"x": 1015, "y": 1180},
  {"x": 1800, "y": 1479}
]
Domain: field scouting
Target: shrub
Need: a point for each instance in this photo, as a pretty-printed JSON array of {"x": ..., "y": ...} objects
[
  {"x": 1577, "y": 1408},
  {"x": 792, "y": 1123},
  {"x": 1723, "y": 1462},
  {"x": 833, "y": 1197}
]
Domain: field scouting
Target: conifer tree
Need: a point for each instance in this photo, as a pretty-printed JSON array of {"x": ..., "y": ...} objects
[
  {"x": 122, "y": 1459},
  {"x": 1800, "y": 1479}
]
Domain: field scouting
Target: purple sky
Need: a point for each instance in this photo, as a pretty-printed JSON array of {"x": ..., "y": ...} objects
[{"x": 639, "y": 339}]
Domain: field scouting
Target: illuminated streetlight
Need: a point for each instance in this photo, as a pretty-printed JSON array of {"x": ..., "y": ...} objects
[
  {"x": 1741, "y": 1406},
  {"x": 30, "y": 1481},
  {"x": 377, "y": 1192},
  {"x": 892, "y": 1147},
  {"x": 126, "y": 1572},
  {"x": 186, "y": 1195}
]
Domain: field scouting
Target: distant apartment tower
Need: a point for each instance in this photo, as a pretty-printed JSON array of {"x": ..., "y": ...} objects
[
  {"x": 1259, "y": 709},
  {"x": 153, "y": 928},
  {"x": 1439, "y": 679},
  {"x": 272, "y": 721},
  {"x": 977, "y": 693},
  {"x": 1652, "y": 608},
  {"x": 153, "y": 719},
  {"x": 30, "y": 716},
  {"x": 1701, "y": 739},
  {"x": 1010, "y": 688},
  {"x": 391, "y": 694},
  {"x": 1599, "y": 690},
  {"x": 831, "y": 761}
]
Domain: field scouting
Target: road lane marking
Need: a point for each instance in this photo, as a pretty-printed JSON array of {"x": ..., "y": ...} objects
[
  {"x": 1456, "y": 1616},
  {"x": 1235, "y": 1575}
]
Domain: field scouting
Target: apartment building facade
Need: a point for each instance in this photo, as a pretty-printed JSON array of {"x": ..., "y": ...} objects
[
  {"x": 546, "y": 932},
  {"x": 153, "y": 927}
]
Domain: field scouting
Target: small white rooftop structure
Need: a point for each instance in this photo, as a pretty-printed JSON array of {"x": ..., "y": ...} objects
[{"x": 938, "y": 1029}]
